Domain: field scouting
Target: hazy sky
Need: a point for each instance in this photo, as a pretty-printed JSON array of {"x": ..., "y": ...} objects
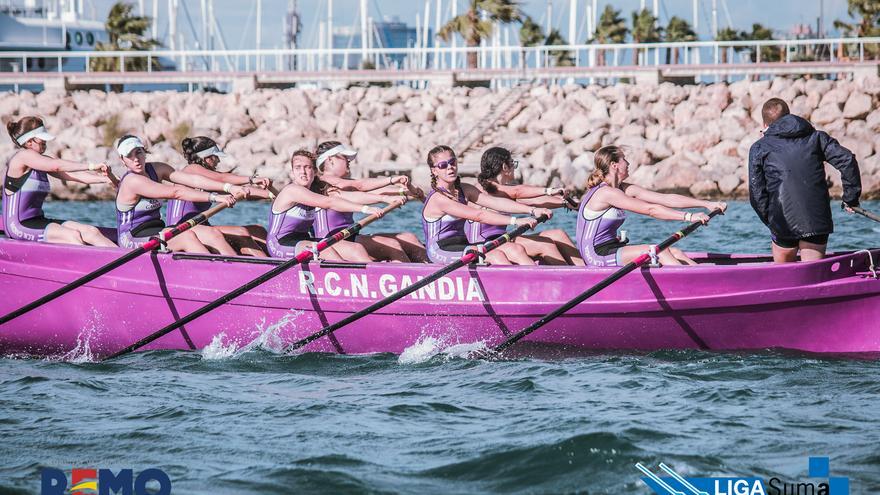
[{"x": 237, "y": 18}]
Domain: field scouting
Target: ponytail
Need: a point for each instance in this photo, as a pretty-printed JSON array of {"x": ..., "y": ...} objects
[
  {"x": 491, "y": 163},
  {"x": 23, "y": 125},
  {"x": 603, "y": 160},
  {"x": 192, "y": 146}
]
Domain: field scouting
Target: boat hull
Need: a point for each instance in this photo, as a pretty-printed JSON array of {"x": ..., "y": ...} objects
[{"x": 830, "y": 306}]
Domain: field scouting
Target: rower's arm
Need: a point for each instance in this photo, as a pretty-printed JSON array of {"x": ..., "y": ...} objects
[
  {"x": 225, "y": 177},
  {"x": 83, "y": 177},
  {"x": 448, "y": 206},
  {"x": 297, "y": 194},
  {"x": 140, "y": 186},
  {"x": 670, "y": 200},
  {"x": 36, "y": 161},
  {"x": 523, "y": 191},
  {"x": 845, "y": 162},
  {"x": 363, "y": 198},
  {"x": 497, "y": 203},
  {"x": 544, "y": 202},
  {"x": 368, "y": 184},
  {"x": 613, "y": 196},
  {"x": 204, "y": 183}
]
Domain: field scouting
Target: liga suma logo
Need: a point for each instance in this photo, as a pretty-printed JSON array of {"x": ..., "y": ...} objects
[
  {"x": 818, "y": 482},
  {"x": 86, "y": 481}
]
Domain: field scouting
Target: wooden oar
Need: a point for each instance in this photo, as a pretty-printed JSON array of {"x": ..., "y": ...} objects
[
  {"x": 614, "y": 277},
  {"x": 468, "y": 257},
  {"x": 148, "y": 246},
  {"x": 278, "y": 270},
  {"x": 865, "y": 213}
]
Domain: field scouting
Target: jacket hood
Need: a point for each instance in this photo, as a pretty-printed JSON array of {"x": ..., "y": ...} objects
[{"x": 790, "y": 126}]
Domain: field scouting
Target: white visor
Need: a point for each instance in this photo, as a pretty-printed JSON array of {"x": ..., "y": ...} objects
[
  {"x": 336, "y": 150},
  {"x": 213, "y": 150},
  {"x": 39, "y": 132},
  {"x": 127, "y": 145}
]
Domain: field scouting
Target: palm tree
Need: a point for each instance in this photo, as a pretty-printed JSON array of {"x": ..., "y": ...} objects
[
  {"x": 678, "y": 29},
  {"x": 530, "y": 34},
  {"x": 473, "y": 29},
  {"x": 644, "y": 30},
  {"x": 561, "y": 58},
  {"x": 760, "y": 32},
  {"x": 126, "y": 32},
  {"x": 610, "y": 29},
  {"x": 868, "y": 13},
  {"x": 729, "y": 34}
]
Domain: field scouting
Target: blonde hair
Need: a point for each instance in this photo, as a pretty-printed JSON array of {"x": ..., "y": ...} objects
[{"x": 603, "y": 160}]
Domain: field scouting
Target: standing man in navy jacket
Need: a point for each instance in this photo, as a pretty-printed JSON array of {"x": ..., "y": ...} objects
[{"x": 787, "y": 185}]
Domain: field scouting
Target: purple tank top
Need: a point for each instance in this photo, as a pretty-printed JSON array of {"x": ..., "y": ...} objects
[
  {"x": 146, "y": 210},
  {"x": 483, "y": 232},
  {"x": 296, "y": 219},
  {"x": 179, "y": 211},
  {"x": 24, "y": 204},
  {"x": 329, "y": 222},
  {"x": 446, "y": 227},
  {"x": 594, "y": 231}
]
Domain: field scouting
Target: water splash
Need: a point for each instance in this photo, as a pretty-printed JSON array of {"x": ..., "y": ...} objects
[
  {"x": 429, "y": 347},
  {"x": 82, "y": 353},
  {"x": 268, "y": 338},
  {"x": 217, "y": 350}
]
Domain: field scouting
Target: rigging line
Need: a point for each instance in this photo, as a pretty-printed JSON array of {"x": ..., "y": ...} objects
[
  {"x": 314, "y": 32},
  {"x": 247, "y": 24},
  {"x": 726, "y": 13},
  {"x": 192, "y": 29}
]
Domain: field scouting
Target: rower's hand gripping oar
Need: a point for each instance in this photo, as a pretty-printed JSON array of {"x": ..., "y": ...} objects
[
  {"x": 153, "y": 243},
  {"x": 470, "y": 256},
  {"x": 614, "y": 277},
  {"x": 302, "y": 257},
  {"x": 863, "y": 212}
]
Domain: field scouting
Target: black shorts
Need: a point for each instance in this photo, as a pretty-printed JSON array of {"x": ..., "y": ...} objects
[
  {"x": 453, "y": 244},
  {"x": 608, "y": 247},
  {"x": 293, "y": 238},
  {"x": 787, "y": 243},
  {"x": 39, "y": 223},
  {"x": 148, "y": 229}
]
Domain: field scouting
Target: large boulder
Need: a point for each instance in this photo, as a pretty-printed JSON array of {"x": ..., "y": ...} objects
[
  {"x": 858, "y": 105},
  {"x": 826, "y": 114}
]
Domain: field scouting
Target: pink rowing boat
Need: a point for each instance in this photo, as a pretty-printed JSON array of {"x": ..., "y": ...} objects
[{"x": 726, "y": 303}]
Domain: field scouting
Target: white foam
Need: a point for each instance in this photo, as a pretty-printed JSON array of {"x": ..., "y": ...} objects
[
  {"x": 217, "y": 350},
  {"x": 429, "y": 347},
  {"x": 82, "y": 353}
]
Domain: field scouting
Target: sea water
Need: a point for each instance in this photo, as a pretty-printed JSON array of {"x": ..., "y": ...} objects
[{"x": 232, "y": 420}]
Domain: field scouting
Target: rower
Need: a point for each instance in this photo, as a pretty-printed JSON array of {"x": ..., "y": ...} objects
[
  {"x": 292, "y": 214},
  {"x": 138, "y": 204},
  {"x": 26, "y": 185},
  {"x": 203, "y": 156},
  {"x": 604, "y": 206},
  {"x": 448, "y": 206},
  {"x": 496, "y": 178},
  {"x": 334, "y": 161}
]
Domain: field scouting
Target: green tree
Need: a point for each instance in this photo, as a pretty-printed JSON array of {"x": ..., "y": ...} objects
[
  {"x": 126, "y": 33},
  {"x": 867, "y": 16},
  {"x": 561, "y": 58},
  {"x": 473, "y": 29},
  {"x": 531, "y": 34},
  {"x": 729, "y": 34},
  {"x": 678, "y": 29},
  {"x": 768, "y": 53},
  {"x": 611, "y": 28},
  {"x": 644, "y": 30}
]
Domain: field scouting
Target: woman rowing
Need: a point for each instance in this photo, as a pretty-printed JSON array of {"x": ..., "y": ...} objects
[
  {"x": 202, "y": 156},
  {"x": 334, "y": 161},
  {"x": 450, "y": 204},
  {"x": 26, "y": 185},
  {"x": 138, "y": 207},
  {"x": 496, "y": 178},
  {"x": 292, "y": 215},
  {"x": 607, "y": 198}
]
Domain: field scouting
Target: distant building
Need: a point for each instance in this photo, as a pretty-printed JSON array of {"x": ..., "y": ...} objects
[{"x": 392, "y": 33}]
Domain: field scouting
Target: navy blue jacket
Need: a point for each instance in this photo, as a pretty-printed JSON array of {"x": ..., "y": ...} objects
[{"x": 787, "y": 186}]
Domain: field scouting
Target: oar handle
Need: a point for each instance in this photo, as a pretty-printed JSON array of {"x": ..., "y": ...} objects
[
  {"x": 278, "y": 270},
  {"x": 469, "y": 257},
  {"x": 865, "y": 213}
]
